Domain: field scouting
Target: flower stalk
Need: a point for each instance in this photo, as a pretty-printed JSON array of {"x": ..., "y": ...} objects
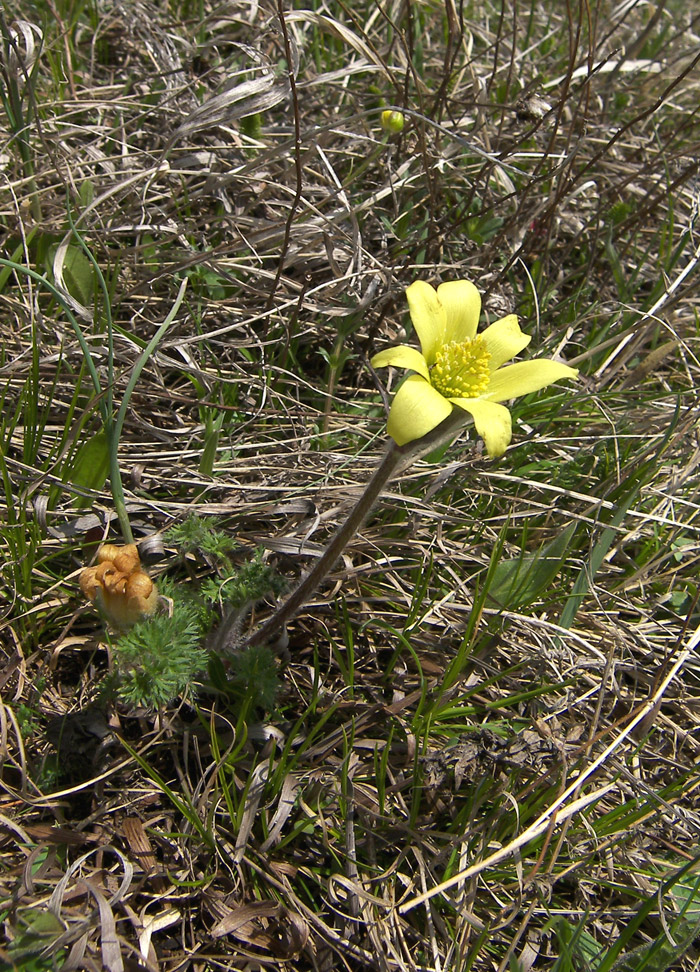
[{"x": 394, "y": 460}]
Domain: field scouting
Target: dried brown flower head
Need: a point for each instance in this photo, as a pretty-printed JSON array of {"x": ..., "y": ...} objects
[{"x": 118, "y": 586}]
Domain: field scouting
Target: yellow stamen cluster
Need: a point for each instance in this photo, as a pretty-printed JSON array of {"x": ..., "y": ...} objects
[
  {"x": 118, "y": 586},
  {"x": 461, "y": 369}
]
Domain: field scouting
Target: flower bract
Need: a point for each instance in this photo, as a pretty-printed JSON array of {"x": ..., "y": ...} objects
[{"x": 457, "y": 367}]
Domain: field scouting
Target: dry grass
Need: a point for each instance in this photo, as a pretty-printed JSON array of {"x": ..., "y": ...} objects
[{"x": 458, "y": 772}]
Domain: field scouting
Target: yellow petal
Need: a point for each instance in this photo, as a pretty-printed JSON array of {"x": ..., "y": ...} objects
[
  {"x": 504, "y": 340},
  {"x": 125, "y": 559},
  {"x": 141, "y": 594},
  {"x": 402, "y": 356},
  {"x": 107, "y": 552},
  {"x": 417, "y": 409},
  {"x": 428, "y": 316},
  {"x": 492, "y": 422},
  {"x": 89, "y": 583},
  {"x": 462, "y": 303},
  {"x": 525, "y": 377}
]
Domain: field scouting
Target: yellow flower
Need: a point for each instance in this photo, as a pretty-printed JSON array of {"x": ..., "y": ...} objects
[
  {"x": 118, "y": 586},
  {"x": 393, "y": 121},
  {"x": 458, "y": 367}
]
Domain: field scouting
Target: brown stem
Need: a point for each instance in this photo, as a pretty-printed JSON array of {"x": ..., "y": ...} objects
[
  {"x": 395, "y": 458},
  {"x": 310, "y": 582}
]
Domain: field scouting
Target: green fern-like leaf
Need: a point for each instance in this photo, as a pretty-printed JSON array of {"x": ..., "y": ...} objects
[
  {"x": 196, "y": 535},
  {"x": 254, "y": 674},
  {"x": 246, "y": 584},
  {"x": 160, "y": 657}
]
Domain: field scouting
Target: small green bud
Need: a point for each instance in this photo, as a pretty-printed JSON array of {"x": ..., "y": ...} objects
[{"x": 393, "y": 121}]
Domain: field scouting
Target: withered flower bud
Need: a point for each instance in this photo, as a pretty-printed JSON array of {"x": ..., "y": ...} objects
[{"x": 118, "y": 586}]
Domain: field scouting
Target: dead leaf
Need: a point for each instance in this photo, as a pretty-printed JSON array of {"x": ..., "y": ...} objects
[{"x": 266, "y": 925}]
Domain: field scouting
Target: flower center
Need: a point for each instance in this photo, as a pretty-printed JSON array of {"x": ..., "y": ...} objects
[{"x": 461, "y": 369}]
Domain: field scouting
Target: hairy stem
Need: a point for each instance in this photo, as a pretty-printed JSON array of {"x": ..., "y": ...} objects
[
  {"x": 395, "y": 458},
  {"x": 310, "y": 582}
]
